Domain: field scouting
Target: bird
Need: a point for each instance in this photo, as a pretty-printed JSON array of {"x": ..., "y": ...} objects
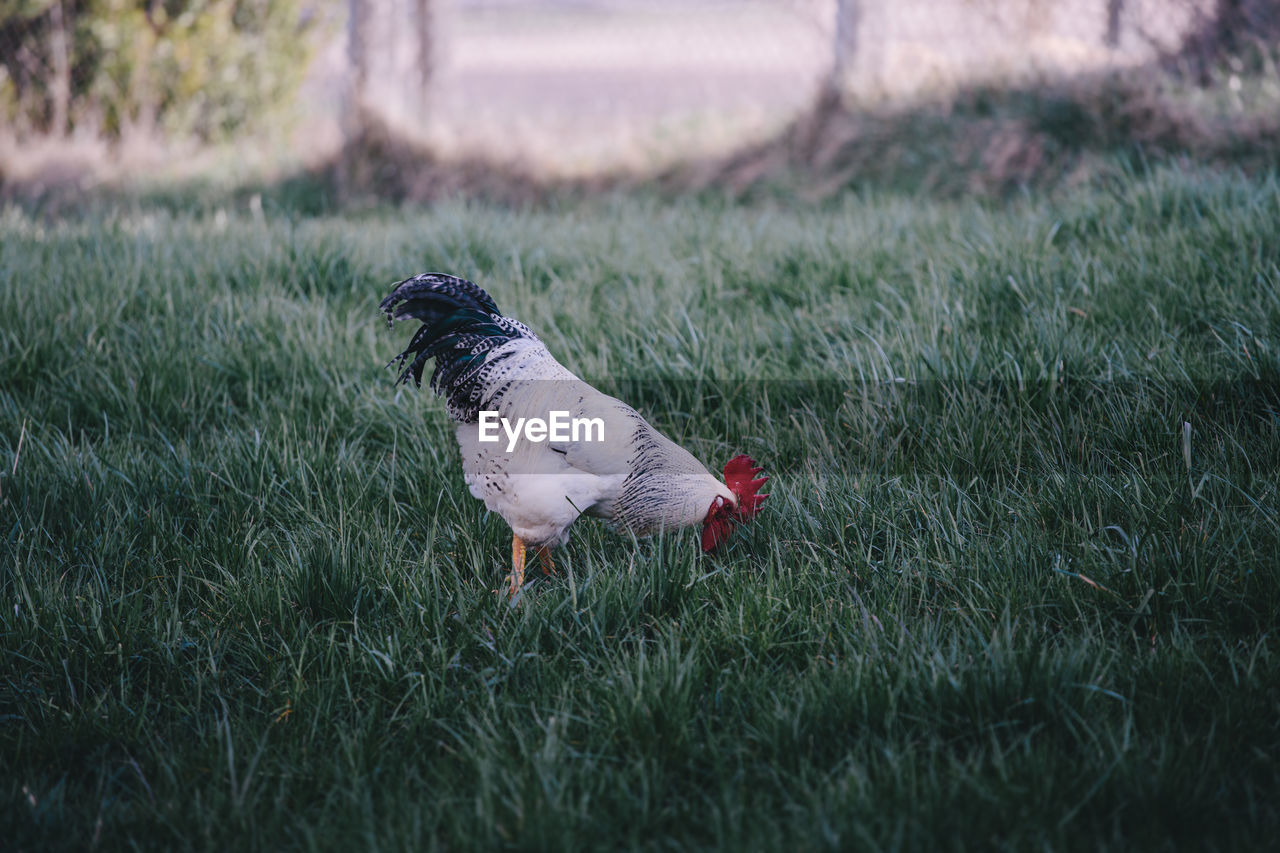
[{"x": 493, "y": 371}]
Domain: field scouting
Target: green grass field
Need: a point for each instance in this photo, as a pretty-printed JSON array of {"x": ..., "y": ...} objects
[{"x": 1018, "y": 584}]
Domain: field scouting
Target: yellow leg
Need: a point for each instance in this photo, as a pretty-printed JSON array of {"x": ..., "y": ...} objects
[
  {"x": 544, "y": 560},
  {"x": 517, "y": 565}
]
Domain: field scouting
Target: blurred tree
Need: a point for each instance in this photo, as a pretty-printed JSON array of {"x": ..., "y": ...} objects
[{"x": 202, "y": 68}]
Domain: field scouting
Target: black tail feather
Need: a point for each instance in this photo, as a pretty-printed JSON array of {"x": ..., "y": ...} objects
[
  {"x": 432, "y": 297},
  {"x": 461, "y": 326}
]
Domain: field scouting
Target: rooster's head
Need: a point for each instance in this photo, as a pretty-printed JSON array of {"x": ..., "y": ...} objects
[{"x": 740, "y": 476}]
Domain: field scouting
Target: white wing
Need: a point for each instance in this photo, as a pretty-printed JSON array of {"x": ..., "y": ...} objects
[{"x": 541, "y": 487}]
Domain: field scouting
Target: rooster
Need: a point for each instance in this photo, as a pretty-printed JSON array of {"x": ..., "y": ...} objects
[{"x": 619, "y": 468}]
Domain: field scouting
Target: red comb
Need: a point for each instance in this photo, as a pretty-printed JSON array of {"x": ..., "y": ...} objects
[{"x": 739, "y": 476}]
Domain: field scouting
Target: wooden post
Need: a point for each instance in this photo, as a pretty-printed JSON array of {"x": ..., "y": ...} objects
[
  {"x": 845, "y": 43},
  {"x": 355, "y": 99},
  {"x": 424, "y": 27},
  {"x": 1115, "y": 9},
  {"x": 60, "y": 83}
]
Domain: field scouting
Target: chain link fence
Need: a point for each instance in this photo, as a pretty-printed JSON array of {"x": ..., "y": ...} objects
[{"x": 578, "y": 84}]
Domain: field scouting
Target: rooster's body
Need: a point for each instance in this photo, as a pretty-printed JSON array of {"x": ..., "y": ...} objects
[{"x": 628, "y": 473}]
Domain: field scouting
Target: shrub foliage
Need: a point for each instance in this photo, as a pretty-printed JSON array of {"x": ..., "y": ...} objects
[{"x": 202, "y": 68}]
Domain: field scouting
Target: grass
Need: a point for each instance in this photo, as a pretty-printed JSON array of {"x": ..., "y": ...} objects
[{"x": 1016, "y": 587}]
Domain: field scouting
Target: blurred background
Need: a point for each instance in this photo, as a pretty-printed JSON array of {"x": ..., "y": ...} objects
[{"x": 415, "y": 98}]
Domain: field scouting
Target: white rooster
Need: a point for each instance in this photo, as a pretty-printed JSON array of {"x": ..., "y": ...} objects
[{"x": 492, "y": 369}]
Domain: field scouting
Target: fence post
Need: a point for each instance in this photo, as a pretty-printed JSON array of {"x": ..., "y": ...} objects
[
  {"x": 424, "y": 27},
  {"x": 845, "y": 43},
  {"x": 355, "y": 105},
  {"x": 60, "y": 84},
  {"x": 1115, "y": 10}
]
